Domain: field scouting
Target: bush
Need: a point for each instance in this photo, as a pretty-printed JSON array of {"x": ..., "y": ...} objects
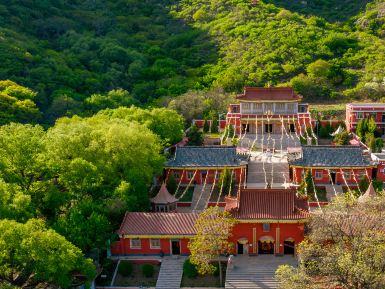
[
  {"x": 148, "y": 270},
  {"x": 189, "y": 269},
  {"x": 125, "y": 269}
]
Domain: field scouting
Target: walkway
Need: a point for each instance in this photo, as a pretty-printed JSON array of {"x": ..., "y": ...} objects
[
  {"x": 255, "y": 272},
  {"x": 171, "y": 271}
]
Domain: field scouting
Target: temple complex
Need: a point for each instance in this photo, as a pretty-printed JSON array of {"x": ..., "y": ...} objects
[
  {"x": 268, "y": 110},
  {"x": 275, "y": 148}
]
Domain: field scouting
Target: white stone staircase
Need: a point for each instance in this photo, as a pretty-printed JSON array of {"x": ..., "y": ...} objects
[
  {"x": 171, "y": 271},
  {"x": 256, "y": 175},
  {"x": 255, "y": 272},
  {"x": 200, "y": 199}
]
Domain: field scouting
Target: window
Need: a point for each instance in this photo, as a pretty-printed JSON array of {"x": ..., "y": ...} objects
[
  {"x": 268, "y": 108},
  {"x": 280, "y": 107},
  {"x": 135, "y": 243},
  {"x": 266, "y": 227},
  {"x": 347, "y": 175},
  {"x": 190, "y": 175},
  {"x": 318, "y": 175},
  {"x": 245, "y": 106},
  {"x": 360, "y": 115},
  {"x": 258, "y": 107},
  {"x": 155, "y": 243},
  {"x": 291, "y": 108}
]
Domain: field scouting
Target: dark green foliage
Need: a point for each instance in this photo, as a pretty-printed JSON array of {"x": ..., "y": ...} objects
[
  {"x": 189, "y": 269},
  {"x": 324, "y": 131},
  {"x": 148, "y": 270},
  {"x": 363, "y": 184},
  {"x": 378, "y": 186},
  {"x": 206, "y": 126},
  {"x": 214, "y": 125},
  {"x": 125, "y": 268},
  {"x": 195, "y": 136},
  {"x": 83, "y": 47},
  {"x": 171, "y": 184},
  {"x": 303, "y": 140},
  {"x": 307, "y": 187}
]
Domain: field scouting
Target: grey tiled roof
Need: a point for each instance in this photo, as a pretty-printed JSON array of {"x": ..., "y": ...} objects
[
  {"x": 206, "y": 156},
  {"x": 330, "y": 156}
]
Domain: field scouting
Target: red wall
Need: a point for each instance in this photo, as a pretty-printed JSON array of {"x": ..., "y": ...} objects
[
  {"x": 297, "y": 176},
  {"x": 245, "y": 230},
  {"x": 241, "y": 230},
  {"x": 380, "y": 171},
  {"x": 198, "y": 177},
  {"x": 122, "y": 247},
  {"x": 374, "y": 111}
]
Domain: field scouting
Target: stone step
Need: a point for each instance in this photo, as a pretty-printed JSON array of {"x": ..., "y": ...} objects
[{"x": 170, "y": 274}]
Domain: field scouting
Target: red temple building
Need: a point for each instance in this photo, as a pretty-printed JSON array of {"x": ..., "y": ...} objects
[
  {"x": 270, "y": 222},
  {"x": 357, "y": 111},
  {"x": 263, "y": 110},
  {"x": 339, "y": 165},
  {"x": 379, "y": 160},
  {"x": 195, "y": 165}
]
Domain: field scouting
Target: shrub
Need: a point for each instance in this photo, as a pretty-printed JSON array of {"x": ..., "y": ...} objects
[
  {"x": 148, "y": 270},
  {"x": 189, "y": 269},
  {"x": 206, "y": 126},
  {"x": 125, "y": 268}
]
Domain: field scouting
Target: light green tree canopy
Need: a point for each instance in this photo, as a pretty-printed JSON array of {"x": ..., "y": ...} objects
[{"x": 31, "y": 254}]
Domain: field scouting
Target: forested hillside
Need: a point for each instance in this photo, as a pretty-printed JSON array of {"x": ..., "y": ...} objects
[
  {"x": 75, "y": 48},
  {"x": 261, "y": 44},
  {"x": 70, "y": 51}
]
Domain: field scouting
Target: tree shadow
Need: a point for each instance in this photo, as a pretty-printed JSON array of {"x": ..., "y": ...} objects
[{"x": 331, "y": 10}]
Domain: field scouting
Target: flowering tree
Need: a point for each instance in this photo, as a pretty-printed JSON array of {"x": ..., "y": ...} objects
[{"x": 213, "y": 229}]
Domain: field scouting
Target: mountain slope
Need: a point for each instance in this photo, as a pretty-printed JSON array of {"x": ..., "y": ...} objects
[{"x": 263, "y": 44}]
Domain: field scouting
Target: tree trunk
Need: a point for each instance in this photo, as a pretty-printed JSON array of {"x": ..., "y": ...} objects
[{"x": 220, "y": 272}]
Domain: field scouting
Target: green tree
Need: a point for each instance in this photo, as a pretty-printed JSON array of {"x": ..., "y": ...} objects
[
  {"x": 226, "y": 182},
  {"x": 17, "y": 104},
  {"x": 166, "y": 123},
  {"x": 206, "y": 126},
  {"x": 171, "y": 184},
  {"x": 30, "y": 253},
  {"x": 214, "y": 125},
  {"x": 195, "y": 136},
  {"x": 362, "y": 128},
  {"x": 307, "y": 187},
  {"x": 320, "y": 68},
  {"x": 113, "y": 99},
  {"x": 213, "y": 229},
  {"x": 342, "y": 138}
]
